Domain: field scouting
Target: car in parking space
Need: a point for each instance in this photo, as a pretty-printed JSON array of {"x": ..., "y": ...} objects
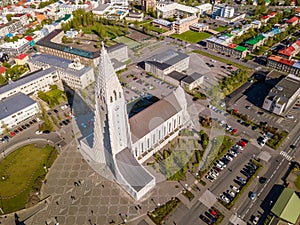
[
  {"x": 214, "y": 213},
  {"x": 68, "y": 121},
  {"x": 252, "y": 165},
  {"x": 46, "y": 132},
  {"x": 252, "y": 195},
  {"x": 61, "y": 124},
  {"x": 24, "y": 127},
  {"x": 38, "y": 132},
  {"x": 212, "y": 175},
  {"x": 237, "y": 190},
  {"x": 233, "y": 153},
  {"x": 293, "y": 147},
  {"x": 228, "y": 157},
  {"x": 231, "y": 193},
  {"x": 6, "y": 138},
  {"x": 242, "y": 180},
  {"x": 254, "y": 127},
  {"x": 205, "y": 219},
  {"x": 248, "y": 175},
  {"x": 219, "y": 166},
  {"x": 64, "y": 122},
  {"x": 217, "y": 169},
  {"x": 255, "y": 220},
  {"x": 224, "y": 198},
  {"x": 211, "y": 217},
  {"x": 30, "y": 122},
  {"x": 225, "y": 161},
  {"x": 55, "y": 110},
  {"x": 211, "y": 179},
  {"x": 34, "y": 121},
  {"x": 16, "y": 131},
  {"x": 20, "y": 129},
  {"x": 49, "y": 113},
  {"x": 27, "y": 125},
  {"x": 228, "y": 196},
  {"x": 290, "y": 116}
]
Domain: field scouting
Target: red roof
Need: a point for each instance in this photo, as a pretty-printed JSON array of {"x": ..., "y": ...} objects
[
  {"x": 2, "y": 69},
  {"x": 297, "y": 10},
  {"x": 21, "y": 56},
  {"x": 28, "y": 38},
  {"x": 292, "y": 20},
  {"x": 232, "y": 45},
  {"x": 265, "y": 17},
  {"x": 287, "y": 51},
  {"x": 281, "y": 60},
  {"x": 273, "y": 13}
]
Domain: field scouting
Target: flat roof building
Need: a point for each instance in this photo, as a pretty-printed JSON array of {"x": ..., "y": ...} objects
[
  {"x": 72, "y": 73},
  {"x": 15, "y": 109},
  {"x": 176, "y": 9},
  {"x": 283, "y": 95}
]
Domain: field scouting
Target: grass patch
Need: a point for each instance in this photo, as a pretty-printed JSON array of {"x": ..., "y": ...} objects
[
  {"x": 53, "y": 97},
  {"x": 192, "y": 36},
  {"x": 21, "y": 169},
  {"x": 189, "y": 195},
  {"x": 156, "y": 29},
  {"x": 162, "y": 212},
  {"x": 276, "y": 140},
  {"x": 242, "y": 67},
  {"x": 2, "y": 80},
  {"x": 297, "y": 181},
  {"x": 220, "y": 28}
]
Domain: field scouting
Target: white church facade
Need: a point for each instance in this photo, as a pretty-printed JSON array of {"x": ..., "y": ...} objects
[{"x": 122, "y": 144}]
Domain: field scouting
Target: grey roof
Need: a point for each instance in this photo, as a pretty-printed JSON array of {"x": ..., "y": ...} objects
[
  {"x": 153, "y": 116},
  {"x": 58, "y": 62},
  {"x": 136, "y": 175},
  {"x": 176, "y": 75},
  {"x": 168, "y": 57},
  {"x": 14, "y": 104},
  {"x": 115, "y": 47},
  {"x": 101, "y": 7},
  {"x": 161, "y": 66},
  {"x": 116, "y": 63},
  {"x": 191, "y": 78},
  {"x": 25, "y": 79},
  {"x": 285, "y": 89}
]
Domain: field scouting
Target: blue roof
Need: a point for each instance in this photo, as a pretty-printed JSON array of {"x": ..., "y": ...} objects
[
  {"x": 14, "y": 104},
  {"x": 9, "y": 35}
]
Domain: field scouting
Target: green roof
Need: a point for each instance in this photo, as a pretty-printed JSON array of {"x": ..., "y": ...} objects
[
  {"x": 287, "y": 206},
  {"x": 255, "y": 40},
  {"x": 240, "y": 48},
  {"x": 65, "y": 18},
  {"x": 228, "y": 35}
]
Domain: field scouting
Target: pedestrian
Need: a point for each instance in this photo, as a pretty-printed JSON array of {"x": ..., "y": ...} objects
[
  {"x": 57, "y": 203},
  {"x": 79, "y": 182},
  {"x": 102, "y": 185},
  {"x": 92, "y": 211}
]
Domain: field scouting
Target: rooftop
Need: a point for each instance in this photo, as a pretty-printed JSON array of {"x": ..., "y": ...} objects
[
  {"x": 255, "y": 40},
  {"x": 191, "y": 78},
  {"x": 167, "y": 58},
  {"x": 281, "y": 60},
  {"x": 240, "y": 48},
  {"x": 59, "y": 63},
  {"x": 133, "y": 173},
  {"x": 176, "y": 75},
  {"x": 25, "y": 79},
  {"x": 46, "y": 42},
  {"x": 14, "y": 104},
  {"x": 174, "y": 6},
  {"x": 162, "y": 22},
  {"x": 153, "y": 116},
  {"x": 292, "y": 20},
  {"x": 286, "y": 206}
]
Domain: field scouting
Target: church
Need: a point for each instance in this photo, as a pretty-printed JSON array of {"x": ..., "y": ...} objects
[{"x": 121, "y": 143}]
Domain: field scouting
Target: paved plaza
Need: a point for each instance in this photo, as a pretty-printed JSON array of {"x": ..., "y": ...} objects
[{"x": 91, "y": 200}]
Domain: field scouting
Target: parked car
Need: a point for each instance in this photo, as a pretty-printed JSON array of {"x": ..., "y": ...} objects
[
  {"x": 224, "y": 198},
  {"x": 6, "y": 138},
  {"x": 252, "y": 195},
  {"x": 255, "y": 220},
  {"x": 237, "y": 190},
  {"x": 242, "y": 180},
  {"x": 12, "y": 134}
]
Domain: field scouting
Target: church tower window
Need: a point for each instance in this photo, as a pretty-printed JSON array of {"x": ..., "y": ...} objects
[{"x": 115, "y": 94}]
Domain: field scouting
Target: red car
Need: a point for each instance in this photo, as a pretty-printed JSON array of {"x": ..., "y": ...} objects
[
  {"x": 242, "y": 143},
  {"x": 234, "y": 131},
  {"x": 12, "y": 134}
]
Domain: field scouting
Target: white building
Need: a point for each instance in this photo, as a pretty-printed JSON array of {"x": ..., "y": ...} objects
[
  {"x": 9, "y": 27},
  {"x": 176, "y": 9},
  {"x": 167, "y": 62},
  {"x": 30, "y": 84},
  {"x": 15, "y": 48},
  {"x": 222, "y": 11},
  {"x": 22, "y": 18},
  {"x": 204, "y": 9},
  {"x": 15, "y": 109},
  {"x": 281, "y": 97},
  {"x": 72, "y": 73},
  {"x": 122, "y": 144}
]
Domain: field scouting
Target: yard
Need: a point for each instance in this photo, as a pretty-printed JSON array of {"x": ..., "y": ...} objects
[
  {"x": 53, "y": 97},
  {"x": 191, "y": 36},
  {"x": 21, "y": 173},
  {"x": 220, "y": 28}
]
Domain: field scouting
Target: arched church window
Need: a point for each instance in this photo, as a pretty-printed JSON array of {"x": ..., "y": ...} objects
[
  {"x": 120, "y": 96},
  {"x": 111, "y": 99},
  {"x": 115, "y": 94}
]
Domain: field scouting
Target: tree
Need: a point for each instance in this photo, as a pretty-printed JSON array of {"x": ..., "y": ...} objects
[
  {"x": 5, "y": 64},
  {"x": 33, "y": 6},
  {"x": 8, "y": 17}
]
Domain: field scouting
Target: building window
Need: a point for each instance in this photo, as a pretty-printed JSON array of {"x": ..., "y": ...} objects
[
  {"x": 115, "y": 94},
  {"x": 148, "y": 143},
  {"x": 111, "y": 99},
  {"x": 120, "y": 96}
]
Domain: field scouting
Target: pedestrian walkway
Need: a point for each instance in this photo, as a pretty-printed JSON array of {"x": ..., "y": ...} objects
[{"x": 286, "y": 155}]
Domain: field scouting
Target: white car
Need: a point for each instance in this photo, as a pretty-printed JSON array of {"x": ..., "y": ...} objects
[
  {"x": 211, "y": 179},
  {"x": 231, "y": 193},
  {"x": 235, "y": 189},
  {"x": 212, "y": 175},
  {"x": 215, "y": 172},
  {"x": 219, "y": 166},
  {"x": 228, "y": 157},
  {"x": 224, "y": 198},
  {"x": 290, "y": 116},
  {"x": 233, "y": 153},
  {"x": 255, "y": 220},
  {"x": 38, "y": 132}
]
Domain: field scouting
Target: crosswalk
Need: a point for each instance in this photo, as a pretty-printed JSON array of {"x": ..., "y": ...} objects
[{"x": 285, "y": 155}]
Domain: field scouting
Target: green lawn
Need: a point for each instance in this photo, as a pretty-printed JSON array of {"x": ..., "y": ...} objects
[
  {"x": 220, "y": 28},
  {"x": 53, "y": 97},
  {"x": 192, "y": 36},
  {"x": 297, "y": 181},
  {"x": 157, "y": 29},
  {"x": 2, "y": 80},
  {"x": 19, "y": 172}
]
